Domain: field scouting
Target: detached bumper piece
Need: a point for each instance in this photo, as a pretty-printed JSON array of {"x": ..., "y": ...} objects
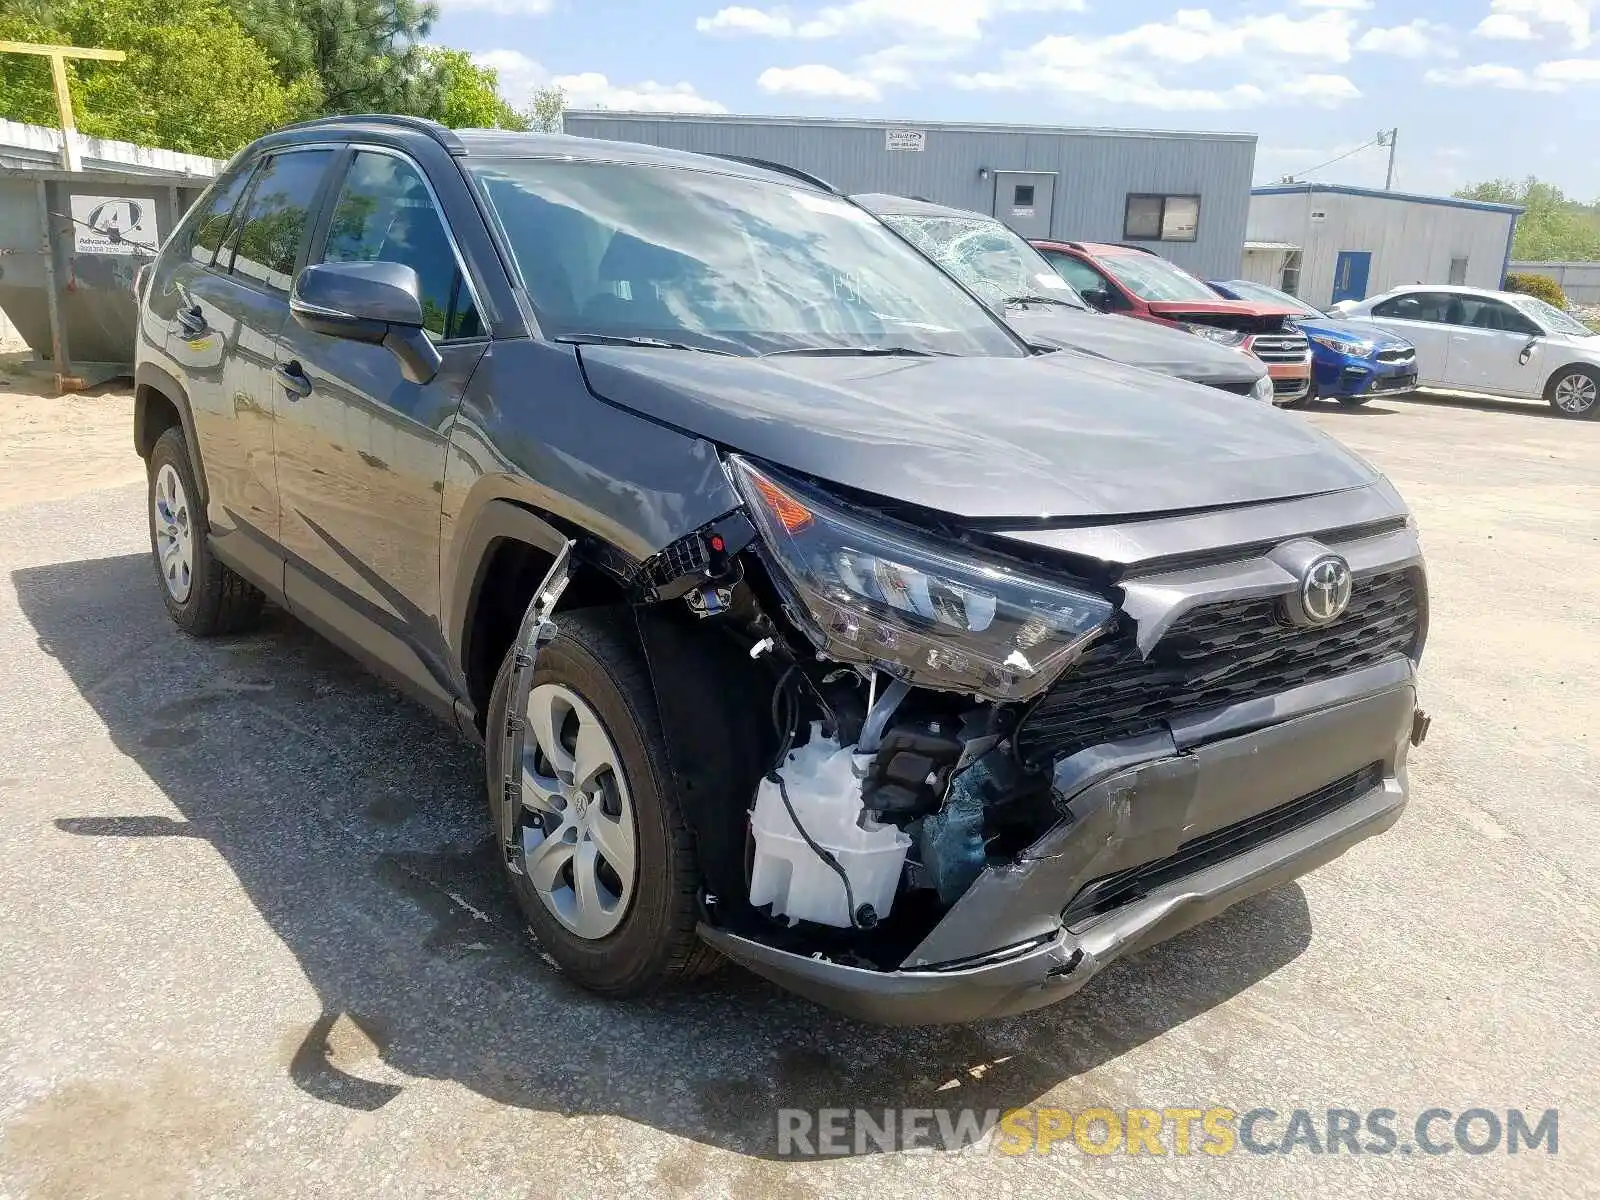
[{"x": 1154, "y": 840}]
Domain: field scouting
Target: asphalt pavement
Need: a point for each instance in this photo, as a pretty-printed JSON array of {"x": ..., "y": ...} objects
[{"x": 255, "y": 941}]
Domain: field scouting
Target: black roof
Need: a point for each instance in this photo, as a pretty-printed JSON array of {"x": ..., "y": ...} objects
[
  {"x": 503, "y": 143},
  {"x": 885, "y": 205}
]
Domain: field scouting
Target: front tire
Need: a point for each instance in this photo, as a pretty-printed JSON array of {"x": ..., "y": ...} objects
[
  {"x": 1353, "y": 401},
  {"x": 608, "y": 879},
  {"x": 203, "y": 597},
  {"x": 1574, "y": 392}
]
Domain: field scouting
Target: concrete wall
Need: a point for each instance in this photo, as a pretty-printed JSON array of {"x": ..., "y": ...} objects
[
  {"x": 1579, "y": 280},
  {"x": 1095, "y": 169},
  {"x": 1412, "y": 239}
]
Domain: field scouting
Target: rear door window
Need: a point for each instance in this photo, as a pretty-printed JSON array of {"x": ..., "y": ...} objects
[
  {"x": 277, "y": 217},
  {"x": 212, "y": 226},
  {"x": 385, "y": 213}
]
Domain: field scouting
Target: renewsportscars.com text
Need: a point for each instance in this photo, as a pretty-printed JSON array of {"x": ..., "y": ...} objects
[{"x": 1158, "y": 1132}]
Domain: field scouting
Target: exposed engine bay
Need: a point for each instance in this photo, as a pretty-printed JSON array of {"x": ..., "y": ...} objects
[{"x": 839, "y": 808}]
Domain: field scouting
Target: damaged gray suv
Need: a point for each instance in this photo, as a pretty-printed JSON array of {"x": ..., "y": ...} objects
[{"x": 808, "y": 617}]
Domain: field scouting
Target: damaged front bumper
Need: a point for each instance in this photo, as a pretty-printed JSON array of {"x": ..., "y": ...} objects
[{"x": 1159, "y": 834}]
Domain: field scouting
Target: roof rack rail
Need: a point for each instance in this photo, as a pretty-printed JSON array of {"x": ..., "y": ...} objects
[
  {"x": 767, "y": 164},
  {"x": 442, "y": 134},
  {"x": 1140, "y": 249}
]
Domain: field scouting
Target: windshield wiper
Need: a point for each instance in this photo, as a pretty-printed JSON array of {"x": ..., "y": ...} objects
[
  {"x": 861, "y": 352},
  {"x": 1031, "y": 298},
  {"x": 617, "y": 339}
]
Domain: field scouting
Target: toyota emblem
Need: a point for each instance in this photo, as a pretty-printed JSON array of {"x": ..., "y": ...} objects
[{"x": 1325, "y": 589}]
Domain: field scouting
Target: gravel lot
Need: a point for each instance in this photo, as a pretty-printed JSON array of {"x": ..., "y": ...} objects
[{"x": 254, "y": 941}]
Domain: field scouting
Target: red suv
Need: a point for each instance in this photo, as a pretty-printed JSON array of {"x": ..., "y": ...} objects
[{"x": 1140, "y": 283}]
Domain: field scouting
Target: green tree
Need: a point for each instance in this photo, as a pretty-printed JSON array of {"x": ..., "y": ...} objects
[
  {"x": 364, "y": 55},
  {"x": 193, "y": 80},
  {"x": 1553, "y": 229},
  {"x": 469, "y": 95},
  {"x": 549, "y": 111}
]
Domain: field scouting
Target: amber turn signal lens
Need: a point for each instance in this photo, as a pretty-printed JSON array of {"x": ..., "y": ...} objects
[{"x": 793, "y": 515}]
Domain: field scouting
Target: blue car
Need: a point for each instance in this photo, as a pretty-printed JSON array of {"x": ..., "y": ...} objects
[{"x": 1349, "y": 363}]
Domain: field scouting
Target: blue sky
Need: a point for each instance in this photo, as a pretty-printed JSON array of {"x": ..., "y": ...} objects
[{"x": 1478, "y": 88}]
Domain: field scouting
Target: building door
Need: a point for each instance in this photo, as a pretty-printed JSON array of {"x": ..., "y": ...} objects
[
  {"x": 1023, "y": 200},
  {"x": 1350, "y": 273}
]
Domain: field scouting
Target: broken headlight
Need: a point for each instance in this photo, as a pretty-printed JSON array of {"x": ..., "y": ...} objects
[{"x": 870, "y": 593}]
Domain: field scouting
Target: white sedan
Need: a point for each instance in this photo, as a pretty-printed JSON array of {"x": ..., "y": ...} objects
[{"x": 1500, "y": 343}]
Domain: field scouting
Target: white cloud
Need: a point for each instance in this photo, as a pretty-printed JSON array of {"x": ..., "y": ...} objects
[
  {"x": 1482, "y": 75},
  {"x": 590, "y": 89},
  {"x": 815, "y": 79},
  {"x": 505, "y": 8},
  {"x": 1325, "y": 90},
  {"x": 517, "y": 74},
  {"x": 1569, "y": 70},
  {"x": 963, "y": 19},
  {"x": 1347, "y": 5},
  {"x": 1415, "y": 39},
  {"x": 1538, "y": 18},
  {"x": 747, "y": 20},
  {"x": 1266, "y": 57},
  {"x": 1504, "y": 27}
]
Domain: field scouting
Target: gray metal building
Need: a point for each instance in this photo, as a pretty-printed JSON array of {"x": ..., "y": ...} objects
[
  {"x": 1356, "y": 242},
  {"x": 1184, "y": 195}
]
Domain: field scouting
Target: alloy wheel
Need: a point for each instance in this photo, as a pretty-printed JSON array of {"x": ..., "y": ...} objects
[
  {"x": 174, "y": 533},
  {"x": 1575, "y": 393},
  {"x": 579, "y": 842}
]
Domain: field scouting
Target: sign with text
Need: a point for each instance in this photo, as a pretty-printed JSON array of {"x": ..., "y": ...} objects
[
  {"x": 113, "y": 225},
  {"x": 905, "y": 139}
]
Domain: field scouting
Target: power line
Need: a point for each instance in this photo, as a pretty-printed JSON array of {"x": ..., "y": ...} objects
[{"x": 1377, "y": 141}]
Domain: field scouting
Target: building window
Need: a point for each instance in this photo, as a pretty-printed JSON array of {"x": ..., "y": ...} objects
[
  {"x": 1023, "y": 197},
  {"x": 1291, "y": 273},
  {"x": 1458, "y": 270},
  {"x": 1152, "y": 218}
]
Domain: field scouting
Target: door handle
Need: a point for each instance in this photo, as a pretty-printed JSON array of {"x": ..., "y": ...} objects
[
  {"x": 192, "y": 319},
  {"x": 294, "y": 379}
]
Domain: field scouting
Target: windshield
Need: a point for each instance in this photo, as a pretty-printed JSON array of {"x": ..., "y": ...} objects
[
  {"x": 988, "y": 257},
  {"x": 1152, "y": 278},
  {"x": 1548, "y": 315},
  {"x": 1246, "y": 290},
  {"x": 718, "y": 262}
]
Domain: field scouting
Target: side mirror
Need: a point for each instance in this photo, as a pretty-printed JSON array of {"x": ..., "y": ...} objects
[
  {"x": 1098, "y": 299},
  {"x": 1527, "y": 350},
  {"x": 379, "y": 303}
]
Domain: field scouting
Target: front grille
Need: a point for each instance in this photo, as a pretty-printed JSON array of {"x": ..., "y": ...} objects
[
  {"x": 1238, "y": 389},
  {"x": 1112, "y": 892},
  {"x": 1215, "y": 656},
  {"x": 1396, "y": 356},
  {"x": 1280, "y": 347}
]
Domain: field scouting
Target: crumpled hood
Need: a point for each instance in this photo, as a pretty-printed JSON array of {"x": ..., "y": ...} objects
[
  {"x": 1138, "y": 343},
  {"x": 1058, "y": 435}
]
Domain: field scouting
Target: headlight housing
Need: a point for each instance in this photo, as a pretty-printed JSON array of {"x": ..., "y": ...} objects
[
  {"x": 1354, "y": 349},
  {"x": 1232, "y": 338},
  {"x": 1263, "y": 390},
  {"x": 868, "y": 592}
]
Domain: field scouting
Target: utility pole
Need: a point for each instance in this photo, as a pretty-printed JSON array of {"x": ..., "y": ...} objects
[
  {"x": 1388, "y": 138},
  {"x": 58, "y": 56}
]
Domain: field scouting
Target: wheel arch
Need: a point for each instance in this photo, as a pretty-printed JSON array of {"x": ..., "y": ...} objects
[
  {"x": 500, "y": 560},
  {"x": 159, "y": 403},
  {"x": 1576, "y": 364}
]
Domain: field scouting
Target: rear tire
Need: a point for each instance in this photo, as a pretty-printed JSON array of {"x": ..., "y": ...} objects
[
  {"x": 1574, "y": 392},
  {"x": 203, "y": 597},
  {"x": 596, "y": 660}
]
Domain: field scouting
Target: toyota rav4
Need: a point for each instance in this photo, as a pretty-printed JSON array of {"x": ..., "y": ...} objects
[{"x": 808, "y": 617}]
